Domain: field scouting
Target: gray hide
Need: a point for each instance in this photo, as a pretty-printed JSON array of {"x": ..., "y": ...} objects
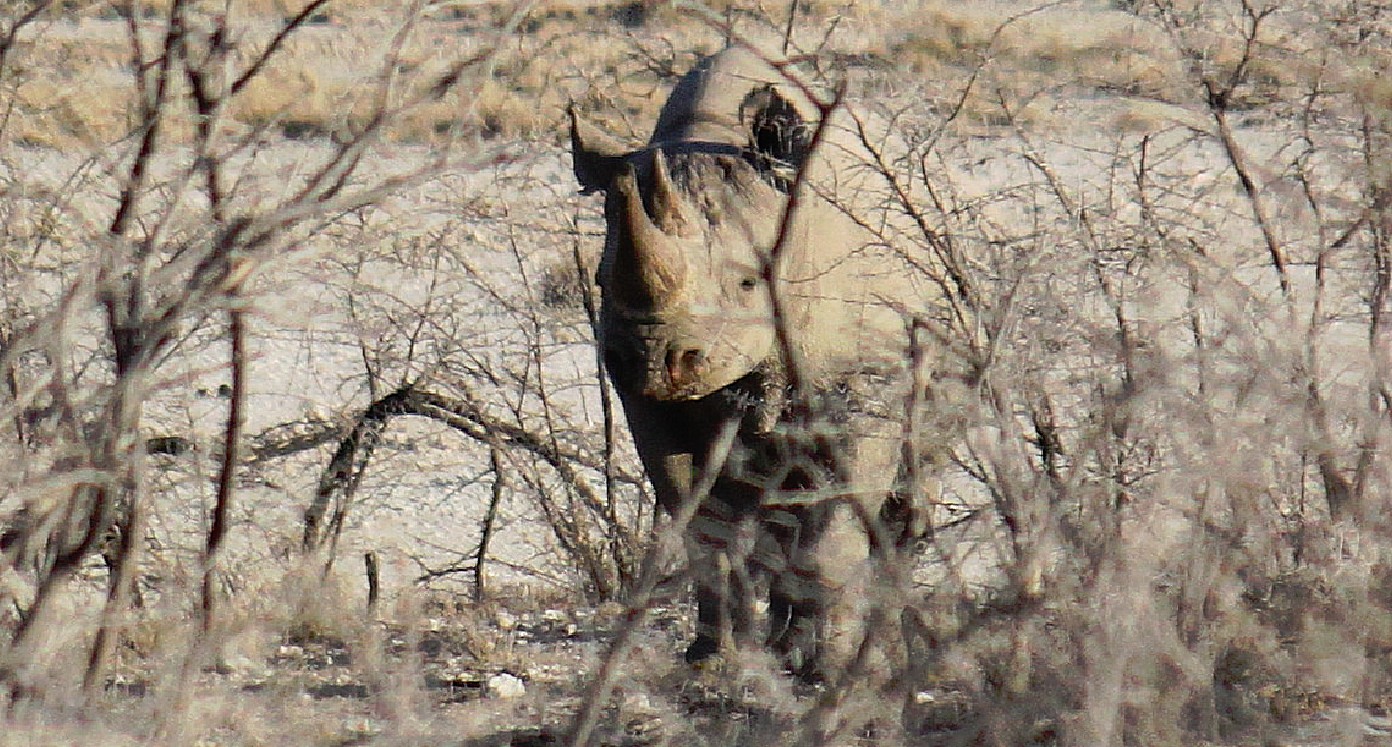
[{"x": 690, "y": 342}]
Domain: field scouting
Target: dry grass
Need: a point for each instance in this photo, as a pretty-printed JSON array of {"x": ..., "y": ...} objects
[
  {"x": 319, "y": 85},
  {"x": 328, "y": 80}
]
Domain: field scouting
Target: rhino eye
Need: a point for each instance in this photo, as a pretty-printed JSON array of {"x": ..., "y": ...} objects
[{"x": 749, "y": 283}]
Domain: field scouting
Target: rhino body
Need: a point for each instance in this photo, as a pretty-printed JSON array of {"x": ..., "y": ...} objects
[{"x": 690, "y": 342}]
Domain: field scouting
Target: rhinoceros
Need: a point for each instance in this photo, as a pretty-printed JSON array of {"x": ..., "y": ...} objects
[{"x": 739, "y": 206}]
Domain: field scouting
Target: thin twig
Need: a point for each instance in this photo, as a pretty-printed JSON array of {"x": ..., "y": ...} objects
[{"x": 227, "y": 472}]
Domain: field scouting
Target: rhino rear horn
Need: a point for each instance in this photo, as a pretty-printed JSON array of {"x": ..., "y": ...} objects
[
  {"x": 649, "y": 270},
  {"x": 595, "y": 156},
  {"x": 667, "y": 202}
]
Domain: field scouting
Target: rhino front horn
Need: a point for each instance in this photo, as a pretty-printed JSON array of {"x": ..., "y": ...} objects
[{"x": 648, "y": 271}]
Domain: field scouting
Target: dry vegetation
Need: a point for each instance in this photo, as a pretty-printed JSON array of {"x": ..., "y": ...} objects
[{"x": 282, "y": 285}]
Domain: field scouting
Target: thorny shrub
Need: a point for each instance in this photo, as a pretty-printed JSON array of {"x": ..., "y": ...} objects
[{"x": 1161, "y": 508}]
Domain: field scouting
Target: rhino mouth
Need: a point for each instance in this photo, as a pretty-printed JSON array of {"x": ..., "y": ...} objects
[
  {"x": 760, "y": 397},
  {"x": 662, "y": 385},
  {"x": 673, "y": 376},
  {"x": 759, "y": 393},
  {"x": 653, "y": 361}
]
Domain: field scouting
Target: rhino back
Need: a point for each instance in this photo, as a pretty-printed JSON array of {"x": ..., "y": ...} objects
[{"x": 705, "y": 104}]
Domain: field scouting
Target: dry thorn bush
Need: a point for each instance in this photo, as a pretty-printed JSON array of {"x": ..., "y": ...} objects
[{"x": 1161, "y": 516}]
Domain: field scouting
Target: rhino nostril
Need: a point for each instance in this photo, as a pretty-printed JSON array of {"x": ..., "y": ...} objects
[{"x": 684, "y": 364}]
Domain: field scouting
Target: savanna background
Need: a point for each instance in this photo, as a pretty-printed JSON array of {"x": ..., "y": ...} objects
[{"x": 304, "y": 441}]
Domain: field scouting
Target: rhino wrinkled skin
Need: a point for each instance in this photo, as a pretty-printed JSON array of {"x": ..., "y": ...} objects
[{"x": 690, "y": 342}]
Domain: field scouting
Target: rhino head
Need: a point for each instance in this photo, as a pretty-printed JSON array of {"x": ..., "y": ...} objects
[{"x": 686, "y": 306}]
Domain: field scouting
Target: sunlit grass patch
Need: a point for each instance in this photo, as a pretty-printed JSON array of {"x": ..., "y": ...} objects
[{"x": 1089, "y": 49}]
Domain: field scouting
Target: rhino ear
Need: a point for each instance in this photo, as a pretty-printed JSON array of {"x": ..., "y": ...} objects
[
  {"x": 596, "y": 157},
  {"x": 779, "y": 137}
]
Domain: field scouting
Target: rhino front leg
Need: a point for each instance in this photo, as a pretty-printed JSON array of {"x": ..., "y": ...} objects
[
  {"x": 718, "y": 553},
  {"x": 816, "y": 603},
  {"x": 794, "y": 596},
  {"x": 724, "y": 612}
]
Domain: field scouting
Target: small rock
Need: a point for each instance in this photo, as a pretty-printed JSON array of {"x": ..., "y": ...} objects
[
  {"x": 505, "y": 620},
  {"x": 241, "y": 665},
  {"x": 361, "y": 726},
  {"x": 554, "y": 616},
  {"x": 505, "y": 686},
  {"x": 637, "y": 703}
]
